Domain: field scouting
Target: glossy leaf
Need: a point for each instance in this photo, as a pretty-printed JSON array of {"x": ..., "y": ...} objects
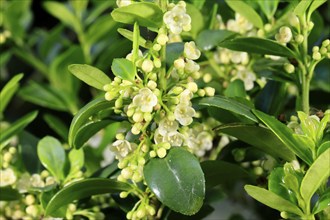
[
  {"x": 301, "y": 8},
  {"x": 246, "y": 11},
  {"x": 267, "y": 141},
  {"x": 208, "y": 39},
  {"x": 8, "y": 91},
  {"x": 57, "y": 125},
  {"x": 220, "y": 172},
  {"x": 272, "y": 200},
  {"x": 9, "y": 194},
  {"x": 145, "y": 13},
  {"x": 61, "y": 12},
  {"x": 197, "y": 19},
  {"x": 177, "y": 181},
  {"x": 173, "y": 52},
  {"x": 235, "y": 89},
  {"x": 286, "y": 136},
  {"x": 227, "y": 104},
  {"x": 258, "y": 46},
  {"x": 123, "y": 69},
  {"x": 84, "y": 115},
  {"x": 323, "y": 147},
  {"x": 315, "y": 176},
  {"x": 276, "y": 184},
  {"x": 28, "y": 150},
  {"x": 268, "y": 7},
  {"x": 17, "y": 126},
  {"x": 129, "y": 35},
  {"x": 44, "y": 95},
  {"x": 76, "y": 158},
  {"x": 323, "y": 202},
  {"x": 83, "y": 189},
  {"x": 52, "y": 156},
  {"x": 103, "y": 27},
  {"x": 87, "y": 131},
  {"x": 314, "y": 5},
  {"x": 90, "y": 75}
]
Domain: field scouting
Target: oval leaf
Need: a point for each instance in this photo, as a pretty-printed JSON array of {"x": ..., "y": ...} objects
[
  {"x": 257, "y": 45},
  {"x": 9, "y": 194},
  {"x": 315, "y": 176},
  {"x": 177, "y": 181},
  {"x": 123, "y": 69},
  {"x": 266, "y": 141},
  {"x": 284, "y": 134},
  {"x": 246, "y": 11},
  {"x": 272, "y": 200},
  {"x": 8, "y": 91},
  {"x": 52, "y": 156},
  {"x": 208, "y": 39},
  {"x": 323, "y": 202},
  {"x": 82, "y": 189},
  {"x": 90, "y": 75},
  {"x": 146, "y": 14},
  {"x": 227, "y": 104},
  {"x": 17, "y": 126}
]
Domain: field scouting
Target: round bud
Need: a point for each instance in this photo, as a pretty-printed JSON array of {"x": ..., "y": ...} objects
[
  {"x": 325, "y": 43},
  {"x": 152, "y": 84},
  {"x": 315, "y": 49},
  {"x": 152, "y": 153},
  {"x": 284, "y": 215},
  {"x": 138, "y": 117},
  {"x": 7, "y": 157},
  {"x": 29, "y": 199},
  {"x": 147, "y": 66},
  {"x": 209, "y": 91},
  {"x": 161, "y": 152},
  {"x": 201, "y": 92},
  {"x": 258, "y": 171},
  {"x": 147, "y": 116},
  {"x": 179, "y": 64},
  {"x": 123, "y": 195},
  {"x": 157, "y": 63},
  {"x": 192, "y": 86},
  {"x": 151, "y": 210},
  {"x": 107, "y": 87},
  {"x": 12, "y": 150},
  {"x": 162, "y": 39},
  {"x": 207, "y": 78},
  {"x": 141, "y": 213},
  {"x": 157, "y": 47},
  {"x": 299, "y": 38},
  {"x": 119, "y": 103},
  {"x": 317, "y": 56},
  {"x": 310, "y": 25},
  {"x": 268, "y": 27},
  {"x": 289, "y": 68},
  {"x": 120, "y": 136}
]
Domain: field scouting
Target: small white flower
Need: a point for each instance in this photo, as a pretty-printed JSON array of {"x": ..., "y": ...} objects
[
  {"x": 190, "y": 51},
  {"x": 146, "y": 100},
  {"x": 177, "y": 19},
  {"x": 247, "y": 76},
  {"x": 239, "y": 57},
  {"x": 191, "y": 66},
  {"x": 7, "y": 177},
  {"x": 36, "y": 181},
  {"x": 129, "y": 56},
  {"x": 167, "y": 127},
  {"x": 175, "y": 139},
  {"x": 284, "y": 36},
  {"x": 183, "y": 114},
  {"x": 122, "y": 148},
  {"x": 185, "y": 97},
  {"x": 122, "y": 3},
  {"x": 240, "y": 24}
]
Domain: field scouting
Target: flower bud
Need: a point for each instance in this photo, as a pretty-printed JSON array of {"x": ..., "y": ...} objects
[
  {"x": 107, "y": 87},
  {"x": 29, "y": 199},
  {"x": 325, "y": 43},
  {"x": 192, "y": 86},
  {"x": 316, "y": 56},
  {"x": 162, "y": 39},
  {"x": 145, "y": 148},
  {"x": 138, "y": 117},
  {"x": 119, "y": 103},
  {"x": 310, "y": 25},
  {"x": 141, "y": 213},
  {"x": 147, "y": 66},
  {"x": 123, "y": 195},
  {"x": 136, "y": 129},
  {"x": 7, "y": 157},
  {"x": 152, "y": 85},
  {"x": 299, "y": 38},
  {"x": 201, "y": 92},
  {"x": 179, "y": 64},
  {"x": 147, "y": 116},
  {"x": 12, "y": 150},
  {"x": 161, "y": 152},
  {"x": 207, "y": 78},
  {"x": 151, "y": 210},
  {"x": 176, "y": 90},
  {"x": 157, "y": 47},
  {"x": 289, "y": 68},
  {"x": 209, "y": 91},
  {"x": 120, "y": 136},
  {"x": 268, "y": 27},
  {"x": 315, "y": 49},
  {"x": 152, "y": 154},
  {"x": 157, "y": 63}
]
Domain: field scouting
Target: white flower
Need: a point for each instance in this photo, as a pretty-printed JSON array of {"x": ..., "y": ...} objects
[
  {"x": 146, "y": 100},
  {"x": 184, "y": 113},
  {"x": 122, "y": 3},
  {"x": 122, "y": 148},
  {"x": 191, "y": 66},
  {"x": 239, "y": 57},
  {"x": 7, "y": 177},
  {"x": 175, "y": 139},
  {"x": 185, "y": 97},
  {"x": 198, "y": 141},
  {"x": 240, "y": 24},
  {"x": 247, "y": 76},
  {"x": 129, "y": 56},
  {"x": 167, "y": 127},
  {"x": 284, "y": 36},
  {"x": 36, "y": 181},
  {"x": 177, "y": 19},
  {"x": 190, "y": 51}
]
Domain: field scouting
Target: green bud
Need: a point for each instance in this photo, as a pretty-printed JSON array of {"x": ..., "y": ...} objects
[
  {"x": 123, "y": 195},
  {"x": 289, "y": 68},
  {"x": 119, "y": 103},
  {"x": 299, "y": 38},
  {"x": 325, "y": 43},
  {"x": 161, "y": 152},
  {"x": 317, "y": 56}
]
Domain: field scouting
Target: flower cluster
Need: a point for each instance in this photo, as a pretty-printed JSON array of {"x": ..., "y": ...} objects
[{"x": 176, "y": 19}]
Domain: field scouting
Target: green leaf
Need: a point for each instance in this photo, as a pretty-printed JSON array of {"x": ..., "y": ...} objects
[
  {"x": 9, "y": 194},
  {"x": 276, "y": 184},
  {"x": 8, "y": 91},
  {"x": 87, "y": 131},
  {"x": 177, "y": 181},
  {"x": 76, "y": 158},
  {"x": 267, "y": 141},
  {"x": 197, "y": 19},
  {"x": 82, "y": 189},
  {"x": 84, "y": 116},
  {"x": 61, "y": 12},
  {"x": 301, "y": 8},
  {"x": 129, "y": 35},
  {"x": 323, "y": 202},
  {"x": 268, "y": 7},
  {"x": 246, "y": 11},
  {"x": 316, "y": 175},
  {"x": 45, "y": 197},
  {"x": 146, "y": 14},
  {"x": 90, "y": 75},
  {"x": 17, "y": 126},
  {"x": 314, "y": 5},
  {"x": 235, "y": 89},
  {"x": 173, "y": 52},
  {"x": 286, "y": 136},
  {"x": 323, "y": 147},
  {"x": 44, "y": 95},
  {"x": 52, "y": 156},
  {"x": 28, "y": 151},
  {"x": 272, "y": 200},
  {"x": 257, "y": 45},
  {"x": 57, "y": 125},
  {"x": 208, "y": 39},
  {"x": 220, "y": 172},
  {"x": 103, "y": 27},
  {"x": 229, "y": 104},
  {"x": 123, "y": 69}
]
